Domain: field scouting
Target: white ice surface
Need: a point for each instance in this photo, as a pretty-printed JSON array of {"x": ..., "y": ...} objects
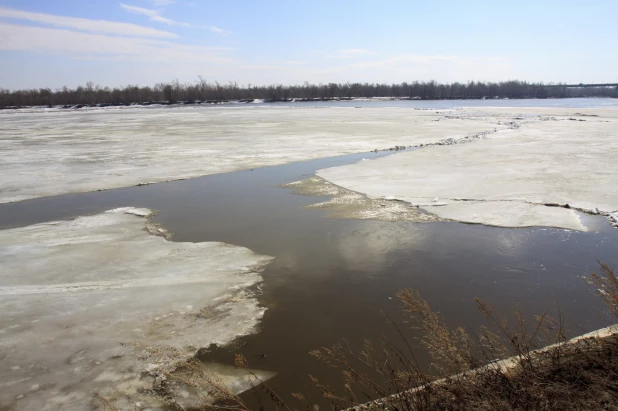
[
  {"x": 71, "y": 291},
  {"x": 505, "y": 180},
  {"x": 58, "y": 152}
]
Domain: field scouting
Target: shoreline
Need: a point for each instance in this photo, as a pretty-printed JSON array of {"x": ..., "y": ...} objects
[{"x": 275, "y": 101}]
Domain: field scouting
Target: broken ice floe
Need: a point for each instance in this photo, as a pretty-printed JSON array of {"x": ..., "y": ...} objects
[{"x": 71, "y": 291}]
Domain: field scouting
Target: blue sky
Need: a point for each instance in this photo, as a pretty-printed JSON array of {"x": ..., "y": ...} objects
[{"x": 53, "y": 43}]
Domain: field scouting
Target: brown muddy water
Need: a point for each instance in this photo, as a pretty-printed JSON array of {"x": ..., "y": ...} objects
[{"x": 335, "y": 279}]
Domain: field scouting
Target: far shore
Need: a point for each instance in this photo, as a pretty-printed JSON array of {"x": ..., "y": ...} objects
[{"x": 288, "y": 100}]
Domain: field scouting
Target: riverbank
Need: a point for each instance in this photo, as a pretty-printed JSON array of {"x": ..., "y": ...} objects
[{"x": 488, "y": 101}]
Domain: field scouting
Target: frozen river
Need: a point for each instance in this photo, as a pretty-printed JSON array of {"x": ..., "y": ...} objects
[{"x": 330, "y": 278}]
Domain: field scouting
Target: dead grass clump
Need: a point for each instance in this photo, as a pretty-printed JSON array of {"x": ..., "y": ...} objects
[
  {"x": 606, "y": 284},
  {"x": 450, "y": 349}
]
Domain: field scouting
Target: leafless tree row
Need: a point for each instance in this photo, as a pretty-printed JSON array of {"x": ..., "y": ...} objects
[{"x": 202, "y": 91}]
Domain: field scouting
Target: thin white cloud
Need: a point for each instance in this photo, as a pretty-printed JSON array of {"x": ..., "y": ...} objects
[
  {"x": 406, "y": 67},
  {"x": 352, "y": 53},
  {"x": 346, "y": 53},
  {"x": 81, "y": 45},
  {"x": 389, "y": 69},
  {"x": 356, "y": 52},
  {"x": 177, "y": 60},
  {"x": 139, "y": 10},
  {"x": 155, "y": 15},
  {"x": 421, "y": 58},
  {"x": 82, "y": 24},
  {"x": 218, "y": 30},
  {"x": 162, "y": 3}
]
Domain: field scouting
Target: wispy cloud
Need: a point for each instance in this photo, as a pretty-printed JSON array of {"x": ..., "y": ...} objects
[
  {"x": 218, "y": 30},
  {"x": 345, "y": 53},
  {"x": 82, "y": 24},
  {"x": 162, "y": 3},
  {"x": 356, "y": 52},
  {"x": 405, "y": 66},
  {"x": 75, "y": 44},
  {"x": 155, "y": 15},
  {"x": 139, "y": 46},
  {"x": 353, "y": 53}
]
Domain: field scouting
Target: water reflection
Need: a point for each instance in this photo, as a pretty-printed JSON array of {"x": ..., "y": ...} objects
[{"x": 370, "y": 247}]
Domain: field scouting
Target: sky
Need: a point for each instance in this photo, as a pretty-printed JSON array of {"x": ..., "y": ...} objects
[{"x": 56, "y": 43}]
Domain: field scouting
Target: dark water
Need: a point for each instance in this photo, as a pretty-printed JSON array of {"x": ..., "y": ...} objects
[{"x": 331, "y": 278}]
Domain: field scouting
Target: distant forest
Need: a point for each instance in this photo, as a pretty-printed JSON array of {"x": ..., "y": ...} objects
[{"x": 205, "y": 92}]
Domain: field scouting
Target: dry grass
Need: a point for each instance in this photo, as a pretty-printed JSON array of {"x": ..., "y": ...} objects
[{"x": 606, "y": 284}]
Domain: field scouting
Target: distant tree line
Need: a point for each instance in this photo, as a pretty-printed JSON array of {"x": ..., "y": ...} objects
[{"x": 205, "y": 92}]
